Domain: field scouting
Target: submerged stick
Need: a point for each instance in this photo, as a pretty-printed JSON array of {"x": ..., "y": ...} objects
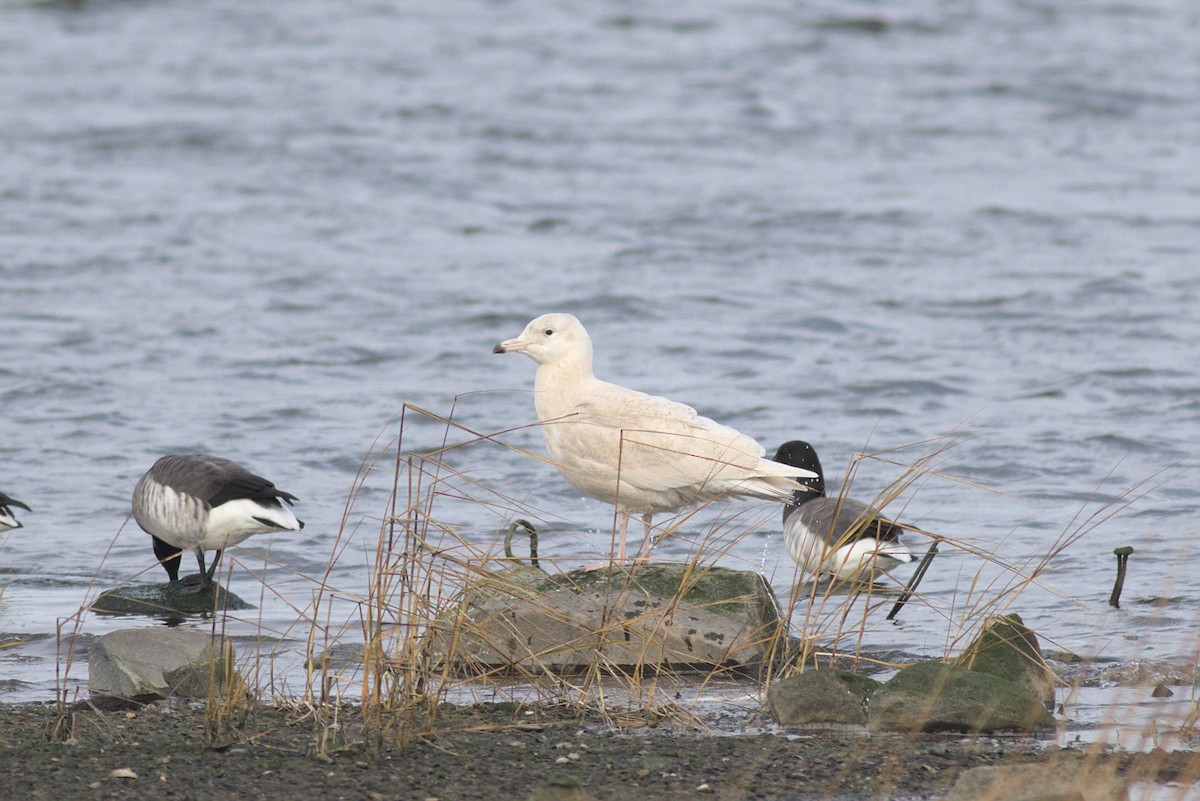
[
  {"x": 911, "y": 587},
  {"x": 512, "y": 529},
  {"x": 1114, "y": 600}
]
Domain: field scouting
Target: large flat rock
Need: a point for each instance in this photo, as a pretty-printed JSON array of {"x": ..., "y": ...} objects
[
  {"x": 156, "y": 663},
  {"x": 661, "y": 615}
]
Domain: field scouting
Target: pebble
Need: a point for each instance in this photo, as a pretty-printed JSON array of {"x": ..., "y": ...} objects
[{"x": 122, "y": 773}]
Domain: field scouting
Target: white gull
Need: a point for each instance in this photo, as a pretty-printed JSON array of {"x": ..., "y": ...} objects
[{"x": 642, "y": 453}]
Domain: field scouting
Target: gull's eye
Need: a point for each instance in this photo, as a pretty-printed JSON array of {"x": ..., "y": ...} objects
[{"x": 549, "y": 332}]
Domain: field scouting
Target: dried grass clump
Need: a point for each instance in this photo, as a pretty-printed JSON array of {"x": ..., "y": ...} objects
[{"x": 370, "y": 678}]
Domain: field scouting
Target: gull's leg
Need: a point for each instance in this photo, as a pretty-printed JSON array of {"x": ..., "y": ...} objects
[
  {"x": 644, "y": 553},
  {"x": 621, "y": 554},
  {"x": 617, "y": 557}
]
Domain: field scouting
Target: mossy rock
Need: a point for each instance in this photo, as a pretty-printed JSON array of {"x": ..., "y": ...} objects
[
  {"x": 940, "y": 697},
  {"x": 1066, "y": 778},
  {"x": 821, "y": 697},
  {"x": 720, "y": 590},
  {"x": 564, "y": 787},
  {"x": 166, "y": 599},
  {"x": 661, "y": 615},
  {"x": 1009, "y": 649}
]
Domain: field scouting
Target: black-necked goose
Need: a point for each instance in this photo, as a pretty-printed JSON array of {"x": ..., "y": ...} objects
[
  {"x": 839, "y": 538},
  {"x": 642, "y": 453},
  {"x": 199, "y": 503},
  {"x": 7, "y": 518}
]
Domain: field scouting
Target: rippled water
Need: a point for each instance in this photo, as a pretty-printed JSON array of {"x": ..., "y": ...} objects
[{"x": 259, "y": 230}]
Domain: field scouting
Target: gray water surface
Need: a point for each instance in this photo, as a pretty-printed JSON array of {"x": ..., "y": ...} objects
[{"x": 260, "y": 229}]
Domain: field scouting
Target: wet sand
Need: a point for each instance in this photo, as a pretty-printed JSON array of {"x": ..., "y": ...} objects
[{"x": 488, "y": 752}]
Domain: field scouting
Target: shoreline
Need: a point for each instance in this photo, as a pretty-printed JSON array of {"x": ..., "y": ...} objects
[{"x": 498, "y": 751}]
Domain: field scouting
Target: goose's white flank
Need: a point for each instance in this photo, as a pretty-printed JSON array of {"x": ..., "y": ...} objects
[
  {"x": 196, "y": 502},
  {"x": 837, "y": 538},
  {"x": 642, "y": 453},
  {"x": 7, "y": 518}
]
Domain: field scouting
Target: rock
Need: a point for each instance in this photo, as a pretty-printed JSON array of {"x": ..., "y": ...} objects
[
  {"x": 821, "y": 696},
  {"x": 935, "y": 697},
  {"x": 560, "y": 788},
  {"x": 166, "y": 599},
  {"x": 656, "y": 615},
  {"x": 340, "y": 656},
  {"x": 158, "y": 662},
  {"x": 1009, "y": 649},
  {"x": 1057, "y": 780}
]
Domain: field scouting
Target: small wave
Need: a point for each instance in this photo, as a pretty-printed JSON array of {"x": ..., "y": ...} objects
[{"x": 905, "y": 388}]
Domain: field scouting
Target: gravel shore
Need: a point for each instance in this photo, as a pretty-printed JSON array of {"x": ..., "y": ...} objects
[{"x": 488, "y": 752}]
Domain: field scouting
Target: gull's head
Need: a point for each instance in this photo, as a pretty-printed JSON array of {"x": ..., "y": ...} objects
[{"x": 550, "y": 338}]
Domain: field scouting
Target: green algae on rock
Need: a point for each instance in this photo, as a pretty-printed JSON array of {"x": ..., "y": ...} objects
[
  {"x": 940, "y": 697},
  {"x": 1009, "y": 649},
  {"x": 828, "y": 696},
  {"x": 167, "y": 598}
]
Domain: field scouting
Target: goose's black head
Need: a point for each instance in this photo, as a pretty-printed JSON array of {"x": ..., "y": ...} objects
[
  {"x": 168, "y": 556},
  {"x": 798, "y": 453}
]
